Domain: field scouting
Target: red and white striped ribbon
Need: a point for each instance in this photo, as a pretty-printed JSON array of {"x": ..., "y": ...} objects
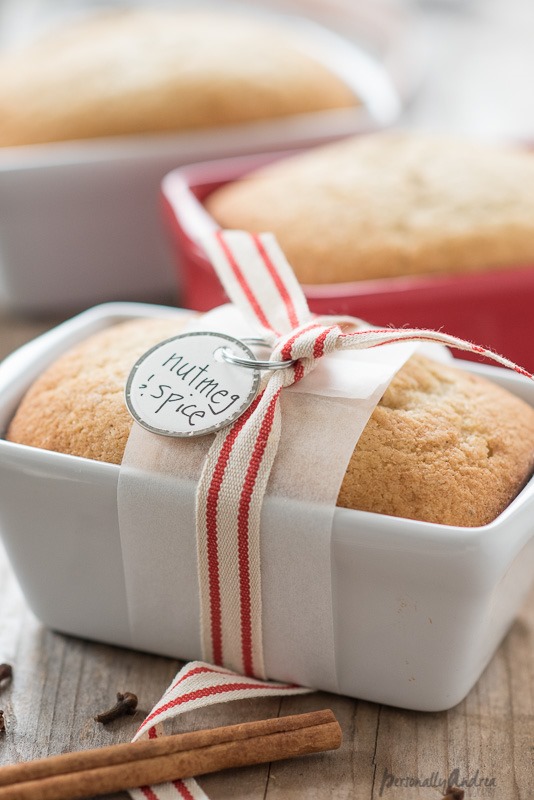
[
  {"x": 198, "y": 685},
  {"x": 232, "y": 485},
  {"x": 258, "y": 279}
]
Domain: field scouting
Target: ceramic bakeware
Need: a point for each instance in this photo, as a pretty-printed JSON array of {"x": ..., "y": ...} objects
[
  {"x": 492, "y": 308},
  {"x": 79, "y": 221},
  {"x": 419, "y": 608}
]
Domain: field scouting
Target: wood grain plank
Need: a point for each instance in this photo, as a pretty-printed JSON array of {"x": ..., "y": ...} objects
[{"x": 345, "y": 773}]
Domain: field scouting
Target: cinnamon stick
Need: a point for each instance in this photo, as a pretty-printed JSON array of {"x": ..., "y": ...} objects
[{"x": 125, "y": 766}]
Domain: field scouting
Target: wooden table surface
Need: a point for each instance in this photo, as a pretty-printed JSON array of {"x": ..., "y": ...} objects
[{"x": 60, "y": 682}]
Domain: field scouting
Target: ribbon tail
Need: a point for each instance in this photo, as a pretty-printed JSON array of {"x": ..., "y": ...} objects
[
  {"x": 197, "y": 685},
  {"x": 172, "y": 790},
  {"x": 369, "y": 338}
]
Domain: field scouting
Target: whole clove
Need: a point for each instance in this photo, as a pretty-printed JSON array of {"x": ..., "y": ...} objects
[
  {"x": 6, "y": 672},
  {"x": 2, "y": 722},
  {"x": 453, "y": 793},
  {"x": 126, "y": 704}
]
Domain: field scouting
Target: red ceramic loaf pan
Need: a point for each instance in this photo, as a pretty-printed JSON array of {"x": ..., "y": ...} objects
[{"x": 494, "y": 308}]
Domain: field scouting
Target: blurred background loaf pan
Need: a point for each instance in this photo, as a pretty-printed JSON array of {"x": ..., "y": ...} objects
[
  {"x": 95, "y": 113},
  {"x": 140, "y": 71},
  {"x": 390, "y": 205},
  {"x": 395, "y": 227}
]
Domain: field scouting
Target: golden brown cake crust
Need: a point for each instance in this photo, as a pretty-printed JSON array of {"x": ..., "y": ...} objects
[
  {"x": 442, "y": 445},
  {"x": 388, "y": 205},
  {"x": 77, "y": 405},
  {"x": 156, "y": 70}
]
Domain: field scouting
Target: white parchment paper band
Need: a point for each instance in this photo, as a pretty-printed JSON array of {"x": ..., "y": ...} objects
[{"x": 322, "y": 418}]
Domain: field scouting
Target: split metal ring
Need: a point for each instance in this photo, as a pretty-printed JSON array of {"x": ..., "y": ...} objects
[{"x": 230, "y": 358}]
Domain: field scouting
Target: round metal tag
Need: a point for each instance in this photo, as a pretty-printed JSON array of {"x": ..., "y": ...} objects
[{"x": 182, "y": 386}]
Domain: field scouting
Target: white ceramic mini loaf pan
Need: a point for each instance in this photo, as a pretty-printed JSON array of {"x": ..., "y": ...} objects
[
  {"x": 419, "y": 608},
  {"x": 80, "y": 222}
]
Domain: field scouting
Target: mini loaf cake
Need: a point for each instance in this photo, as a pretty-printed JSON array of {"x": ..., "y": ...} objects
[
  {"x": 388, "y": 205},
  {"x": 141, "y": 71},
  {"x": 442, "y": 445}
]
